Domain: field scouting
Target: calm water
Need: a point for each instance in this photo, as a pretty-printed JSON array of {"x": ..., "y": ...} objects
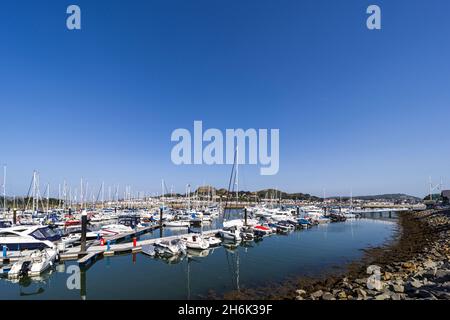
[{"x": 274, "y": 258}]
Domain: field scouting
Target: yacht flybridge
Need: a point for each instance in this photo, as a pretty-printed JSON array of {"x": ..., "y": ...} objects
[{"x": 28, "y": 237}]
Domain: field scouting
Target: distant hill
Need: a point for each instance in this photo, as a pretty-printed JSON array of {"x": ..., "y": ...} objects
[
  {"x": 388, "y": 196},
  {"x": 276, "y": 194},
  {"x": 261, "y": 194}
]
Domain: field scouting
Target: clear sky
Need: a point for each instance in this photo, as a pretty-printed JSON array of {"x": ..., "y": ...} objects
[{"x": 357, "y": 110}]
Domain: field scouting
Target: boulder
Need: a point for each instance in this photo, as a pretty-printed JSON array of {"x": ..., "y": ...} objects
[
  {"x": 317, "y": 294},
  {"x": 398, "y": 288},
  {"x": 398, "y": 296},
  {"x": 410, "y": 266},
  {"x": 387, "y": 276},
  {"x": 383, "y": 296},
  {"x": 342, "y": 295},
  {"x": 416, "y": 283},
  {"x": 328, "y": 296},
  {"x": 300, "y": 292},
  {"x": 429, "y": 264},
  {"x": 360, "y": 293}
]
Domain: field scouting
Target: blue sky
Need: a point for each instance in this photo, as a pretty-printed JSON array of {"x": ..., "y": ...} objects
[{"x": 357, "y": 110}]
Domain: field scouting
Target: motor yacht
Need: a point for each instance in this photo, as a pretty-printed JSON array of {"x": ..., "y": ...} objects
[{"x": 19, "y": 238}]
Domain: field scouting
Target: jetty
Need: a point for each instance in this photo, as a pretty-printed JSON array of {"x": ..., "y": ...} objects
[{"x": 109, "y": 249}]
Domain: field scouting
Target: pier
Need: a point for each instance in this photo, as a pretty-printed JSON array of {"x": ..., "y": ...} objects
[{"x": 110, "y": 250}]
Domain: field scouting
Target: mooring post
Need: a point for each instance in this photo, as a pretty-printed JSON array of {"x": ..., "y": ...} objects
[
  {"x": 160, "y": 222},
  {"x": 14, "y": 216},
  {"x": 5, "y": 253},
  {"x": 245, "y": 216},
  {"x": 83, "y": 288},
  {"x": 83, "y": 230},
  {"x": 108, "y": 245},
  {"x": 298, "y": 211}
]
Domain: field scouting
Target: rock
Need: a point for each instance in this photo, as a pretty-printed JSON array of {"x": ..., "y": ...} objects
[
  {"x": 375, "y": 284},
  {"x": 424, "y": 294},
  {"x": 300, "y": 292},
  {"x": 360, "y": 293},
  {"x": 398, "y": 288},
  {"x": 317, "y": 294},
  {"x": 299, "y": 298},
  {"x": 348, "y": 286},
  {"x": 442, "y": 295},
  {"x": 372, "y": 292},
  {"x": 361, "y": 281},
  {"x": 416, "y": 283},
  {"x": 429, "y": 264},
  {"x": 383, "y": 296},
  {"x": 429, "y": 274},
  {"x": 398, "y": 296},
  {"x": 389, "y": 268},
  {"x": 387, "y": 276},
  {"x": 410, "y": 266},
  {"x": 328, "y": 296},
  {"x": 443, "y": 275},
  {"x": 342, "y": 295}
]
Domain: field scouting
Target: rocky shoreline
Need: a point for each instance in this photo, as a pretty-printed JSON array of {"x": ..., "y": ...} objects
[{"x": 415, "y": 266}]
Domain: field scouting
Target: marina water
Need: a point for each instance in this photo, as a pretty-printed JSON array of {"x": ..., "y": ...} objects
[{"x": 276, "y": 258}]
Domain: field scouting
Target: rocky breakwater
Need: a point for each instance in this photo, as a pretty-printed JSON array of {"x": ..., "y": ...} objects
[{"x": 415, "y": 266}]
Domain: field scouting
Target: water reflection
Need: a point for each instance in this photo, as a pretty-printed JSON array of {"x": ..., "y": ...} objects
[{"x": 227, "y": 267}]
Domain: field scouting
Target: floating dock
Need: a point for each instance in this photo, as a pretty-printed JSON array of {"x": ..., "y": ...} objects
[{"x": 112, "y": 249}]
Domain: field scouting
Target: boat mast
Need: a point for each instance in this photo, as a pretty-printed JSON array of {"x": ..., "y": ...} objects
[
  {"x": 103, "y": 195},
  {"x": 48, "y": 197},
  {"x": 351, "y": 199},
  {"x": 4, "y": 188},
  {"x": 237, "y": 175},
  {"x": 162, "y": 192},
  {"x": 81, "y": 194},
  {"x": 34, "y": 191}
]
